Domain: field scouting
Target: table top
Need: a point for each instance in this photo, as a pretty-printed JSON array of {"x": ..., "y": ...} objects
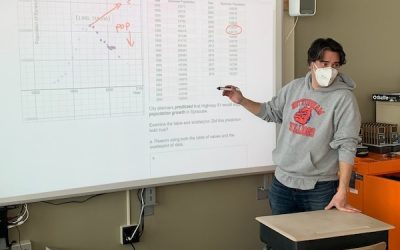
[{"x": 322, "y": 224}]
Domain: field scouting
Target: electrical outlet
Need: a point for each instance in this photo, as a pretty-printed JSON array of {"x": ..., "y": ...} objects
[
  {"x": 22, "y": 245},
  {"x": 126, "y": 233},
  {"x": 150, "y": 196},
  {"x": 149, "y": 201}
]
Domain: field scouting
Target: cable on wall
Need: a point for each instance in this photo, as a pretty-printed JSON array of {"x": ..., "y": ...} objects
[
  {"x": 140, "y": 221},
  {"x": 291, "y": 31},
  {"x": 20, "y": 218},
  {"x": 73, "y": 201}
]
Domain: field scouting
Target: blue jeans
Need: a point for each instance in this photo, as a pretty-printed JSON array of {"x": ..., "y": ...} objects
[{"x": 284, "y": 200}]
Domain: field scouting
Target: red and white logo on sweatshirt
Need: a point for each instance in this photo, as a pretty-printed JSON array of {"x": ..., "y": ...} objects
[{"x": 305, "y": 108}]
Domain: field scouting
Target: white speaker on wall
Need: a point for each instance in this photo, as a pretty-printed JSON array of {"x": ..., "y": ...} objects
[{"x": 302, "y": 7}]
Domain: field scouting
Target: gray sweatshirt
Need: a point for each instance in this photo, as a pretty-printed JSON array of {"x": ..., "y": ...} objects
[{"x": 319, "y": 128}]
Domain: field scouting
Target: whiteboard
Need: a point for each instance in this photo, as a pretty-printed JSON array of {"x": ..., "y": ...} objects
[{"x": 100, "y": 95}]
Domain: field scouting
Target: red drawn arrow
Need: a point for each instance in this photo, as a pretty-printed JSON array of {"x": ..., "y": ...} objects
[
  {"x": 116, "y": 6},
  {"x": 129, "y": 40}
]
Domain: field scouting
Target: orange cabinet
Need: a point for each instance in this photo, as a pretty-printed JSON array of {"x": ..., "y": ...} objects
[
  {"x": 382, "y": 201},
  {"x": 376, "y": 191}
]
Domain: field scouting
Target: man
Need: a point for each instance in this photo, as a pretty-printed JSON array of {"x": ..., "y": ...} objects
[{"x": 317, "y": 140}]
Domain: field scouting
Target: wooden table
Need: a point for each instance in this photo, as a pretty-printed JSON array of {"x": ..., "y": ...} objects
[{"x": 323, "y": 229}]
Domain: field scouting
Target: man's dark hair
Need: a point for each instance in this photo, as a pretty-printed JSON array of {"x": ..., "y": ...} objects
[{"x": 319, "y": 46}]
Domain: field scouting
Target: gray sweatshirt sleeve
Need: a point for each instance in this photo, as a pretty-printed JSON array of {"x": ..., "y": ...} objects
[
  {"x": 347, "y": 122},
  {"x": 272, "y": 111}
]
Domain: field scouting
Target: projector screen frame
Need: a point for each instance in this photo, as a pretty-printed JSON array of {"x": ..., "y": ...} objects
[{"x": 170, "y": 180}]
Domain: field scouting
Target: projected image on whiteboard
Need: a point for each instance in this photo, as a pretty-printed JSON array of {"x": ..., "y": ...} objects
[
  {"x": 80, "y": 59},
  {"x": 192, "y": 128}
]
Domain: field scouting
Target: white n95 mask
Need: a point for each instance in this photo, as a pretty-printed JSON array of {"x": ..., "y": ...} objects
[{"x": 325, "y": 76}]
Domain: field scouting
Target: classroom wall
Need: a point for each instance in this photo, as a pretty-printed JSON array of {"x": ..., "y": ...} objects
[
  {"x": 200, "y": 215},
  {"x": 213, "y": 215},
  {"x": 369, "y": 32}
]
